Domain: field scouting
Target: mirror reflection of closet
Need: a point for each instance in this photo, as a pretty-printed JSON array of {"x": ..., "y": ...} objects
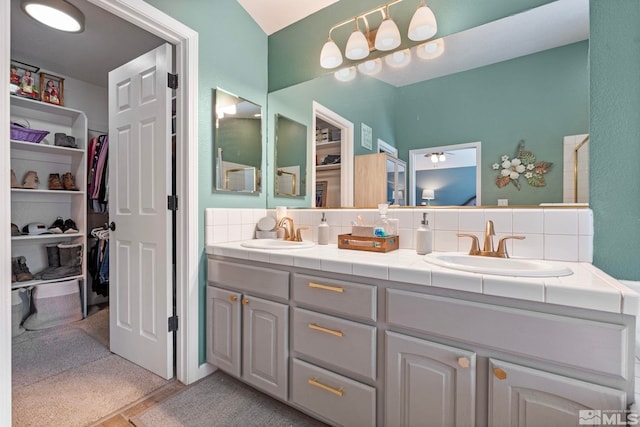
[
  {"x": 237, "y": 143},
  {"x": 290, "y": 158}
]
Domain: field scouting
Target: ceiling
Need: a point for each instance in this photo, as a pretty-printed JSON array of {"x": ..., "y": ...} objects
[{"x": 109, "y": 41}]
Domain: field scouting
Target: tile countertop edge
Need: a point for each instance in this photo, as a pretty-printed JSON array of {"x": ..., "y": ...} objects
[{"x": 407, "y": 261}]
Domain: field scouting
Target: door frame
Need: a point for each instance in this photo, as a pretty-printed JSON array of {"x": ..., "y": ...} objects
[{"x": 185, "y": 40}]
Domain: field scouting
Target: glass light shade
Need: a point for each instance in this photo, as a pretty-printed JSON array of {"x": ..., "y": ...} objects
[
  {"x": 56, "y": 14},
  {"x": 370, "y": 67},
  {"x": 388, "y": 36},
  {"x": 442, "y": 157},
  {"x": 330, "y": 56},
  {"x": 346, "y": 74},
  {"x": 357, "y": 46},
  {"x": 423, "y": 24},
  {"x": 398, "y": 59},
  {"x": 430, "y": 50},
  {"x": 434, "y": 158},
  {"x": 428, "y": 194}
]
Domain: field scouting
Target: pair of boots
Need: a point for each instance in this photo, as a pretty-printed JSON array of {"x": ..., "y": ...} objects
[
  {"x": 30, "y": 180},
  {"x": 19, "y": 270},
  {"x": 64, "y": 260},
  {"x": 67, "y": 182}
]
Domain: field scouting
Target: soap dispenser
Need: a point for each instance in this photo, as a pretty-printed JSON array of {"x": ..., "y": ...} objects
[
  {"x": 382, "y": 228},
  {"x": 424, "y": 237},
  {"x": 323, "y": 231}
]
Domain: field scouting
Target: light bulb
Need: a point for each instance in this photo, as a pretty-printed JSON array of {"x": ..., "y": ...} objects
[
  {"x": 441, "y": 157},
  {"x": 330, "y": 56},
  {"x": 434, "y": 158}
]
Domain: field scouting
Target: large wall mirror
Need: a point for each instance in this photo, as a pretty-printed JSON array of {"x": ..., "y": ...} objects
[
  {"x": 290, "y": 157},
  {"x": 237, "y": 143},
  {"x": 499, "y": 83}
]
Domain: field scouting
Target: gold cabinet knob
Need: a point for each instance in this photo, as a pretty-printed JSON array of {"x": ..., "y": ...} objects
[
  {"x": 245, "y": 301},
  {"x": 464, "y": 362},
  {"x": 500, "y": 374},
  {"x": 233, "y": 298}
]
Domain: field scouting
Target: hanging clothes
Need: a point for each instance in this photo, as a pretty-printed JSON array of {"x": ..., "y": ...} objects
[
  {"x": 98, "y": 174},
  {"x": 98, "y": 262}
]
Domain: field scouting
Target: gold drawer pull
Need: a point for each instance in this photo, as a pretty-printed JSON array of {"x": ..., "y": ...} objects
[
  {"x": 500, "y": 374},
  {"x": 464, "y": 362},
  {"x": 326, "y": 287},
  {"x": 325, "y": 330},
  {"x": 233, "y": 298},
  {"x": 337, "y": 391}
]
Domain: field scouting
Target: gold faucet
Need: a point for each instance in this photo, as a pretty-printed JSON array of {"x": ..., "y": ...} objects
[
  {"x": 290, "y": 233},
  {"x": 487, "y": 248}
]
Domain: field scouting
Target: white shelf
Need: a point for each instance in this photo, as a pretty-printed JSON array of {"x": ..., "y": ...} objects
[
  {"x": 41, "y": 192},
  {"x": 44, "y": 107},
  {"x": 45, "y": 148},
  {"x": 328, "y": 167},
  {"x": 330, "y": 144},
  {"x": 46, "y": 236},
  {"x": 18, "y": 285}
]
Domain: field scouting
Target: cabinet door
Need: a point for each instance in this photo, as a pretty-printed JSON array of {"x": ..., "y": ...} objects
[
  {"x": 520, "y": 396},
  {"x": 428, "y": 383},
  {"x": 223, "y": 329},
  {"x": 265, "y": 344}
]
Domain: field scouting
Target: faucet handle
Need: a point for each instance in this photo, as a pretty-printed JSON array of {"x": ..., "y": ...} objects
[
  {"x": 299, "y": 235},
  {"x": 502, "y": 245},
  {"x": 475, "y": 243}
]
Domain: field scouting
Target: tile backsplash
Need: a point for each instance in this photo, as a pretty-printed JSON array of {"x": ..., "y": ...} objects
[{"x": 550, "y": 233}]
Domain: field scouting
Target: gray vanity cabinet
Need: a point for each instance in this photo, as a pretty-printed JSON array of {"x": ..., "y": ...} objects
[
  {"x": 529, "y": 397},
  {"x": 428, "y": 381},
  {"x": 223, "y": 329}
]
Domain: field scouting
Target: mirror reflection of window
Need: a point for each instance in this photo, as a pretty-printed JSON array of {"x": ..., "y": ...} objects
[
  {"x": 237, "y": 143},
  {"x": 291, "y": 158}
]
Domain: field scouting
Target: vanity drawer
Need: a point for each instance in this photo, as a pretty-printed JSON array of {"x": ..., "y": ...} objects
[
  {"x": 352, "y": 299},
  {"x": 584, "y": 344},
  {"x": 256, "y": 280},
  {"x": 336, "y": 342},
  {"x": 341, "y": 400}
]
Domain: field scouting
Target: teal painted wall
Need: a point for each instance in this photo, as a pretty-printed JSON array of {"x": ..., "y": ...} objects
[
  {"x": 539, "y": 98},
  {"x": 291, "y": 148},
  {"x": 362, "y": 100},
  {"x": 294, "y": 52},
  {"x": 240, "y": 140},
  {"x": 239, "y": 67},
  {"x": 614, "y": 149}
]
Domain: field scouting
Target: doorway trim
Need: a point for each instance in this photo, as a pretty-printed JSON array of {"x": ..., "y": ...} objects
[
  {"x": 346, "y": 152},
  {"x": 413, "y": 154}
]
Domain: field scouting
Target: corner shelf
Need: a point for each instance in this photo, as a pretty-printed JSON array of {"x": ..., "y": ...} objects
[
  {"x": 328, "y": 167},
  {"x": 47, "y": 236},
  {"x": 28, "y": 283},
  {"x": 44, "y": 148}
]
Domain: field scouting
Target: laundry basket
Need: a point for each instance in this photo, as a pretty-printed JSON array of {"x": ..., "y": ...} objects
[{"x": 21, "y": 133}]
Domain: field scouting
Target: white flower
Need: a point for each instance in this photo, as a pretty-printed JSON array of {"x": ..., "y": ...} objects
[
  {"x": 505, "y": 172},
  {"x": 520, "y": 168},
  {"x": 531, "y": 166},
  {"x": 515, "y": 162},
  {"x": 495, "y": 166},
  {"x": 528, "y": 175},
  {"x": 506, "y": 164},
  {"x": 504, "y": 158},
  {"x": 514, "y": 175}
]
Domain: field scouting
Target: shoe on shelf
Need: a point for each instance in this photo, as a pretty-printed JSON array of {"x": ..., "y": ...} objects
[
  {"x": 58, "y": 226},
  {"x": 14, "y": 270},
  {"x": 14, "y": 180},
  {"x": 70, "y": 227},
  {"x": 22, "y": 271},
  {"x": 55, "y": 183},
  {"x": 53, "y": 261},
  {"x": 31, "y": 180},
  {"x": 69, "y": 182}
]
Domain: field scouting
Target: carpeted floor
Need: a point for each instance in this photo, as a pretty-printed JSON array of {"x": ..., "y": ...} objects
[
  {"x": 222, "y": 401},
  {"x": 67, "y": 376}
]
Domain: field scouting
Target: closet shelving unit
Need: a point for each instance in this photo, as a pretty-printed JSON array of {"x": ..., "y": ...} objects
[{"x": 43, "y": 205}]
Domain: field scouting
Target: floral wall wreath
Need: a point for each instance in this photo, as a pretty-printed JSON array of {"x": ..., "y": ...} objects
[{"x": 524, "y": 163}]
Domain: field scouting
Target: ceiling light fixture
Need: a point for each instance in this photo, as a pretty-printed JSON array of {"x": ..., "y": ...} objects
[
  {"x": 370, "y": 67},
  {"x": 385, "y": 38},
  {"x": 346, "y": 74},
  {"x": 431, "y": 49},
  {"x": 436, "y": 157},
  {"x": 398, "y": 59},
  {"x": 57, "y": 14}
]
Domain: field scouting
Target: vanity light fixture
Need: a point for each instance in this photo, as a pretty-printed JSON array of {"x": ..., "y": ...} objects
[
  {"x": 57, "y": 14},
  {"x": 385, "y": 38},
  {"x": 346, "y": 74},
  {"x": 398, "y": 59},
  {"x": 370, "y": 67},
  {"x": 431, "y": 49}
]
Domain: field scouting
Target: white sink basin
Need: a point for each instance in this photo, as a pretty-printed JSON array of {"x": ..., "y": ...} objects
[
  {"x": 499, "y": 266},
  {"x": 276, "y": 244}
]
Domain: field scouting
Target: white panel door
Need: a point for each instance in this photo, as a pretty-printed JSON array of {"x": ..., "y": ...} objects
[{"x": 139, "y": 182}]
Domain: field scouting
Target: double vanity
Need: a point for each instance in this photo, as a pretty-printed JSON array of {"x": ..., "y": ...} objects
[{"x": 364, "y": 339}]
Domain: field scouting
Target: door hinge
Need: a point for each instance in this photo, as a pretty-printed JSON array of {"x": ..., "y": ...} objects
[
  {"x": 172, "y": 202},
  {"x": 173, "y": 323},
  {"x": 172, "y": 81}
]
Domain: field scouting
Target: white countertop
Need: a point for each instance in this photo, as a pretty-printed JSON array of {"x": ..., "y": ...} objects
[{"x": 588, "y": 287}]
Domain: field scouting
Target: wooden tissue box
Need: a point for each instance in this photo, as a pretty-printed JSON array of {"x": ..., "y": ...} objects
[{"x": 368, "y": 243}]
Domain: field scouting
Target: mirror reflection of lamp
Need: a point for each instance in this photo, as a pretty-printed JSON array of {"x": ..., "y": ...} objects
[{"x": 428, "y": 195}]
